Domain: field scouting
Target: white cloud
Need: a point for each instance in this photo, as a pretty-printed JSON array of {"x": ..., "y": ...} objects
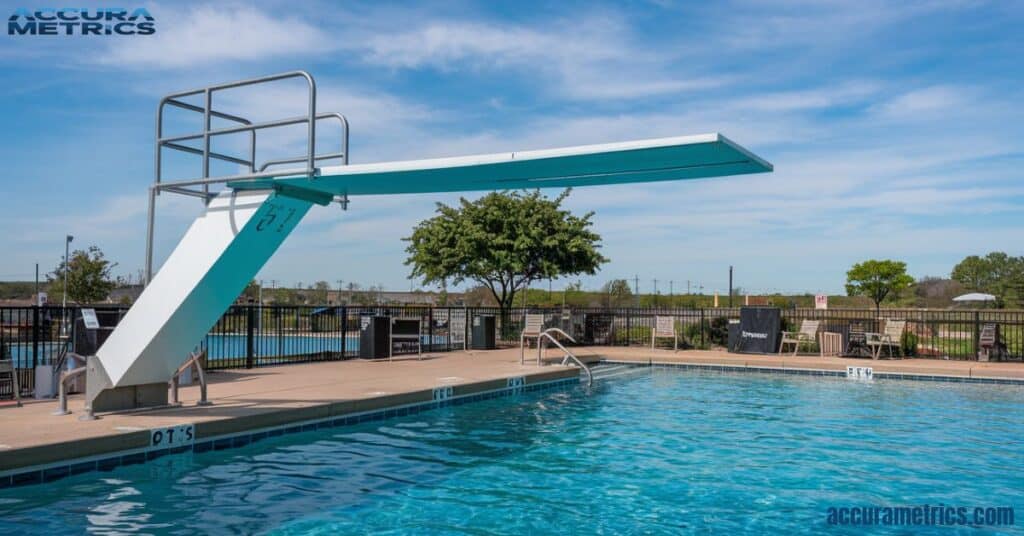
[
  {"x": 188, "y": 37},
  {"x": 816, "y": 98},
  {"x": 924, "y": 102},
  {"x": 590, "y": 57}
]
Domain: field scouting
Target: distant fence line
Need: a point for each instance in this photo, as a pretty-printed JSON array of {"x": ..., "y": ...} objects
[{"x": 249, "y": 336}]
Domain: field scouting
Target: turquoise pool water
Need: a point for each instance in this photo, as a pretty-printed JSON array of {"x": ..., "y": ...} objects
[{"x": 654, "y": 451}]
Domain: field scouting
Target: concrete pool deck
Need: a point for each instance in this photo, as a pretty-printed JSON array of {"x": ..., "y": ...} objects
[
  {"x": 262, "y": 398},
  {"x": 259, "y": 398}
]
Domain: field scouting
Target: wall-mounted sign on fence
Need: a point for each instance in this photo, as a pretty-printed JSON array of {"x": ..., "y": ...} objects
[
  {"x": 821, "y": 301},
  {"x": 89, "y": 319}
]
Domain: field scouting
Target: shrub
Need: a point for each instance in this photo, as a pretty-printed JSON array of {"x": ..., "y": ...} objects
[
  {"x": 716, "y": 333},
  {"x": 908, "y": 344}
]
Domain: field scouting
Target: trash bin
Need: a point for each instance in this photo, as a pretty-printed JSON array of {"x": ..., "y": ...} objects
[
  {"x": 483, "y": 332},
  {"x": 734, "y": 336},
  {"x": 374, "y": 337},
  {"x": 759, "y": 330}
]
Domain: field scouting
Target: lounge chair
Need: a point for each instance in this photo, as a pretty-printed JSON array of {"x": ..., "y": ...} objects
[
  {"x": 533, "y": 326},
  {"x": 808, "y": 335},
  {"x": 891, "y": 337},
  {"x": 664, "y": 327}
]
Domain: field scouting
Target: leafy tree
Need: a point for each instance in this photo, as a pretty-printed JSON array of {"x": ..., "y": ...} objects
[
  {"x": 89, "y": 279},
  {"x": 503, "y": 241},
  {"x": 997, "y": 273},
  {"x": 974, "y": 273},
  {"x": 877, "y": 280},
  {"x": 617, "y": 293}
]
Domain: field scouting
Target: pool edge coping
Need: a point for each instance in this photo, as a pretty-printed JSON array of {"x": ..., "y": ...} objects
[{"x": 810, "y": 371}]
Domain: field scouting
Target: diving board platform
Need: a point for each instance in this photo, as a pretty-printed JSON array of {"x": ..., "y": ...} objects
[
  {"x": 249, "y": 218},
  {"x": 662, "y": 159}
]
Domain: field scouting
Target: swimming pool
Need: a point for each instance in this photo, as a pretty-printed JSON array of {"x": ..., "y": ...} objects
[{"x": 653, "y": 451}]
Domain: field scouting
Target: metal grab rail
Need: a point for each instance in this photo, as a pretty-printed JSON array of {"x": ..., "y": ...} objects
[
  {"x": 255, "y": 171},
  {"x": 64, "y": 378},
  {"x": 569, "y": 356},
  {"x": 194, "y": 359}
]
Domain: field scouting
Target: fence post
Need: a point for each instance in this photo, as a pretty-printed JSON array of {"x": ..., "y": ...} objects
[
  {"x": 977, "y": 332},
  {"x": 629, "y": 327},
  {"x": 344, "y": 329},
  {"x": 35, "y": 336},
  {"x": 702, "y": 327},
  {"x": 250, "y": 338},
  {"x": 430, "y": 329}
]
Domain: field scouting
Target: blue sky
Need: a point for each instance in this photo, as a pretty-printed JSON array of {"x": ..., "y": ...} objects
[{"x": 894, "y": 128}]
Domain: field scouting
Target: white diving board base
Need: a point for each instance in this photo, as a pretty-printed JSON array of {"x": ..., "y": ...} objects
[{"x": 218, "y": 256}]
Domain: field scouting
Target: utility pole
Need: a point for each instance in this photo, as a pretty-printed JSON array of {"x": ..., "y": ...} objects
[
  {"x": 37, "y": 284},
  {"x": 730, "y": 285},
  {"x": 340, "y": 282},
  {"x": 636, "y": 288},
  {"x": 670, "y": 290},
  {"x": 64, "y": 298},
  {"x": 655, "y": 297},
  {"x": 687, "y": 287},
  {"x": 67, "y": 265}
]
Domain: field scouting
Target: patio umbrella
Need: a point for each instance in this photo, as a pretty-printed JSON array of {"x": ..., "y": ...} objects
[{"x": 975, "y": 296}]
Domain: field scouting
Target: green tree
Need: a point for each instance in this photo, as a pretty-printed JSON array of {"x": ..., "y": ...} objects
[
  {"x": 616, "y": 293},
  {"x": 503, "y": 241},
  {"x": 88, "y": 275},
  {"x": 997, "y": 273},
  {"x": 877, "y": 280}
]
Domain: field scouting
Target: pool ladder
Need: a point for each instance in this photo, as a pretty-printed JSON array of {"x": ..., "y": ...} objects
[{"x": 546, "y": 335}]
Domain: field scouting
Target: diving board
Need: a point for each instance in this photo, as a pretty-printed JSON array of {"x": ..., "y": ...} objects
[
  {"x": 245, "y": 223},
  {"x": 663, "y": 159}
]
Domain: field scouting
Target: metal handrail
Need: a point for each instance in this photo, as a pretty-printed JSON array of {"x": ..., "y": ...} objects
[
  {"x": 244, "y": 125},
  {"x": 194, "y": 359},
  {"x": 546, "y": 334}
]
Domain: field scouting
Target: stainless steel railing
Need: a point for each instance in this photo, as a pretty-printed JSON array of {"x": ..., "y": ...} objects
[{"x": 255, "y": 169}]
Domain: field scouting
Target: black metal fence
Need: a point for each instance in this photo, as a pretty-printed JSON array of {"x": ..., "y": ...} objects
[{"x": 252, "y": 336}]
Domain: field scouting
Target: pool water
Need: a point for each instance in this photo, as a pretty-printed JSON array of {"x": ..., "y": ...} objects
[{"x": 654, "y": 451}]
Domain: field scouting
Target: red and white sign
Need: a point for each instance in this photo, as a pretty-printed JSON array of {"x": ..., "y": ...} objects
[{"x": 821, "y": 301}]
